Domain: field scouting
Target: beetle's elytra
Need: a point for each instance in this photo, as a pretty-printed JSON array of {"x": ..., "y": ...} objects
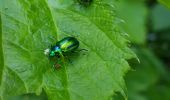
[{"x": 67, "y": 44}]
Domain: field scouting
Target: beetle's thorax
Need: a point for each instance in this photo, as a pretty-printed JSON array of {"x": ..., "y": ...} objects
[{"x": 57, "y": 49}]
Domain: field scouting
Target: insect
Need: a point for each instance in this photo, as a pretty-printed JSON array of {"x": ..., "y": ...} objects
[{"x": 62, "y": 47}]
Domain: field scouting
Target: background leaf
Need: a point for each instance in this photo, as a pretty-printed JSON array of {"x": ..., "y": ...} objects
[
  {"x": 159, "y": 14},
  {"x": 165, "y": 2},
  {"x": 148, "y": 79},
  {"x": 28, "y": 27},
  {"x": 138, "y": 82},
  {"x": 128, "y": 10}
]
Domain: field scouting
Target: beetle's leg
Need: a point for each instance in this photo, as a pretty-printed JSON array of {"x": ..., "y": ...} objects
[
  {"x": 76, "y": 51},
  {"x": 56, "y": 65},
  {"x": 79, "y": 50},
  {"x": 83, "y": 50},
  {"x": 62, "y": 57},
  {"x": 68, "y": 59}
]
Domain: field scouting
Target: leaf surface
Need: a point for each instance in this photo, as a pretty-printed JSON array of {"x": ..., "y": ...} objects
[{"x": 29, "y": 27}]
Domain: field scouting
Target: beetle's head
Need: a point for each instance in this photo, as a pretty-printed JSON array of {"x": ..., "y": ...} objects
[{"x": 54, "y": 51}]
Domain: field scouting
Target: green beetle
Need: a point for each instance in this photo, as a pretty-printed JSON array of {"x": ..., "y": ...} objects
[{"x": 66, "y": 45}]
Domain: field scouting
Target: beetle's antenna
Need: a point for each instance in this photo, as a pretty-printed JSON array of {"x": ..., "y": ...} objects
[{"x": 62, "y": 57}]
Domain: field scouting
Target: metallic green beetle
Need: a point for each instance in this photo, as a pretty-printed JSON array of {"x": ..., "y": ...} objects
[
  {"x": 62, "y": 47},
  {"x": 67, "y": 44}
]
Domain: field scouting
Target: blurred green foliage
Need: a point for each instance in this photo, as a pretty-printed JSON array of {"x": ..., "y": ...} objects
[
  {"x": 134, "y": 15},
  {"x": 150, "y": 78},
  {"x": 160, "y": 18},
  {"x": 165, "y": 2}
]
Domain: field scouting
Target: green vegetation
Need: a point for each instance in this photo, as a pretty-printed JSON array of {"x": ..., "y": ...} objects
[{"x": 116, "y": 33}]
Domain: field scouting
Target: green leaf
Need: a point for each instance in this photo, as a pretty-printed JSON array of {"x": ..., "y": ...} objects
[
  {"x": 29, "y": 27},
  {"x": 134, "y": 15},
  {"x": 1, "y": 53},
  {"x": 165, "y": 2}
]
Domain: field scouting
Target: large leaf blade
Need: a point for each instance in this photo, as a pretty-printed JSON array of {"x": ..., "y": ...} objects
[
  {"x": 22, "y": 36},
  {"x": 31, "y": 26}
]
